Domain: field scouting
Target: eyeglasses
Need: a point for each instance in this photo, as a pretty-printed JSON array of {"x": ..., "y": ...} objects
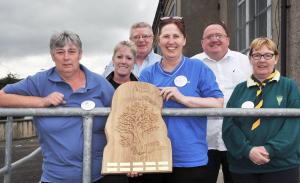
[
  {"x": 178, "y": 21},
  {"x": 215, "y": 36},
  {"x": 267, "y": 56},
  {"x": 144, "y": 36},
  {"x": 171, "y": 18}
]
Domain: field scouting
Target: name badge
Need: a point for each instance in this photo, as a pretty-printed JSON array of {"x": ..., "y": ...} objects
[
  {"x": 248, "y": 105},
  {"x": 180, "y": 81},
  {"x": 88, "y": 105}
]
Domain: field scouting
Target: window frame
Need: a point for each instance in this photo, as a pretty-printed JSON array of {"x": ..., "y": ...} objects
[{"x": 244, "y": 18}]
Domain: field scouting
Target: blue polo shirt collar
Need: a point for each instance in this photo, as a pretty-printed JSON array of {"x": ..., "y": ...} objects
[{"x": 55, "y": 77}]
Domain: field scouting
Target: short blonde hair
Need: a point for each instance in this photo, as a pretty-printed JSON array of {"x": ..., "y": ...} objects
[
  {"x": 128, "y": 44},
  {"x": 258, "y": 43}
]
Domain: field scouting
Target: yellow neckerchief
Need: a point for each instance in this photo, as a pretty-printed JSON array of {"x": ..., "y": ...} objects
[{"x": 258, "y": 103}]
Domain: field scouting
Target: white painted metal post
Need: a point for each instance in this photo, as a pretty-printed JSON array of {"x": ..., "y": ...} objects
[
  {"x": 8, "y": 147},
  {"x": 87, "y": 148}
]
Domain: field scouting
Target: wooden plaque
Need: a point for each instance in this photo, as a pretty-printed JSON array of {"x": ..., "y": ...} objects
[{"x": 136, "y": 134}]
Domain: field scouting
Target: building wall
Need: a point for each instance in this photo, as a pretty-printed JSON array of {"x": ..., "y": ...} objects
[
  {"x": 293, "y": 40},
  {"x": 196, "y": 16},
  {"x": 228, "y": 14}
]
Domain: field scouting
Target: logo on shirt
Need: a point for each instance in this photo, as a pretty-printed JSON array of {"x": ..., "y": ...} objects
[{"x": 279, "y": 99}]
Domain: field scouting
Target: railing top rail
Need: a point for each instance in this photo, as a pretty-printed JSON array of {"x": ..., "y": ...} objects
[{"x": 60, "y": 111}]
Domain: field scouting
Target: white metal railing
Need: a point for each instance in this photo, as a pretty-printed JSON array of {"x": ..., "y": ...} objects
[{"x": 88, "y": 125}]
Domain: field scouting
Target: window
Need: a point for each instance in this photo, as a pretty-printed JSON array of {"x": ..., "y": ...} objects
[{"x": 253, "y": 20}]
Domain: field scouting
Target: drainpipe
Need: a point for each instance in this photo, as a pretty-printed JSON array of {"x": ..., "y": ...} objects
[{"x": 283, "y": 37}]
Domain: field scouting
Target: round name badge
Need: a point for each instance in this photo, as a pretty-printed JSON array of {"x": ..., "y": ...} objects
[
  {"x": 88, "y": 105},
  {"x": 180, "y": 81},
  {"x": 248, "y": 105}
]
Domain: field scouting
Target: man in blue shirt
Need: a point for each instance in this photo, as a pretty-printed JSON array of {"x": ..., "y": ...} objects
[{"x": 67, "y": 84}]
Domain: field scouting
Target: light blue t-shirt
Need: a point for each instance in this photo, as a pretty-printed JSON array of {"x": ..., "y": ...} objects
[
  {"x": 61, "y": 138},
  {"x": 187, "y": 134}
]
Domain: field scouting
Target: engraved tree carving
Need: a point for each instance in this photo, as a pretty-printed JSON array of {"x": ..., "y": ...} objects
[{"x": 136, "y": 124}]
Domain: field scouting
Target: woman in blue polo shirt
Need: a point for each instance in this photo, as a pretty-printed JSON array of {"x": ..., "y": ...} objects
[
  {"x": 184, "y": 83},
  {"x": 67, "y": 84}
]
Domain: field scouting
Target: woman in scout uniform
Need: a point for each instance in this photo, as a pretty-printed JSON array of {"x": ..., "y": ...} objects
[
  {"x": 184, "y": 83},
  {"x": 266, "y": 149}
]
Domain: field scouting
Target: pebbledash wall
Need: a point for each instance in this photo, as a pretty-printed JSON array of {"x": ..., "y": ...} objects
[{"x": 246, "y": 20}]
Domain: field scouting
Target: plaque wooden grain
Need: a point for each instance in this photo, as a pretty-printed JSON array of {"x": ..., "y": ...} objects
[{"x": 136, "y": 134}]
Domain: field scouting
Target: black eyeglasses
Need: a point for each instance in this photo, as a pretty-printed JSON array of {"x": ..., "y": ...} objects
[
  {"x": 267, "y": 56},
  {"x": 171, "y": 18}
]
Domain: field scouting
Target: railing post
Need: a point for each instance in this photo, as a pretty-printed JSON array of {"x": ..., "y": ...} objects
[
  {"x": 8, "y": 147},
  {"x": 87, "y": 148}
]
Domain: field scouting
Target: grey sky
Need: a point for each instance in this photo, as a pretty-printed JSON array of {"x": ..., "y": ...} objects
[{"x": 26, "y": 27}]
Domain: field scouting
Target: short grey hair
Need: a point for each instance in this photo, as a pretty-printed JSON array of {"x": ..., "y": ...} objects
[
  {"x": 140, "y": 25},
  {"x": 60, "y": 39},
  {"x": 128, "y": 44}
]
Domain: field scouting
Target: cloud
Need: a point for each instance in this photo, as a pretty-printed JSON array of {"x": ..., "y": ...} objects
[{"x": 26, "y": 27}]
